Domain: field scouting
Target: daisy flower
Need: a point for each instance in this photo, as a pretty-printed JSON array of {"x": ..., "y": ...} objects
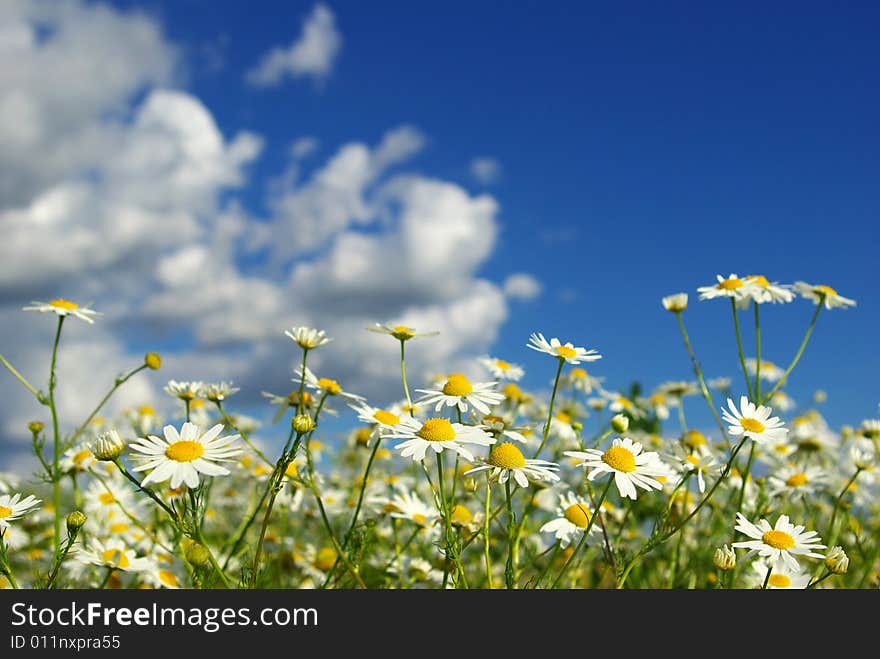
[
  {"x": 63, "y": 308},
  {"x": 501, "y": 369},
  {"x": 678, "y": 389},
  {"x": 782, "y": 401},
  {"x": 13, "y": 507},
  {"x": 626, "y": 461},
  {"x": 406, "y": 504},
  {"x": 732, "y": 287},
  {"x": 324, "y": 386},
  {"x": 115, "y": 555},
  {"x": 721, "y": 384},
  {"x": 795, "y": 481},
  {"x": 761, "y": 290},
  {"x": 184, "y": 390},
  {"x": 183, "y": 456},
  {"x": 437, "y": 435},
  {"x": 143, "y": 419},
  {"x": 822, "y": 294},
  {"x": 77, "y": 458},
  {"x": 781, "y": 576},
  {"x": 219, "y": 391},
  {"x": 566, "y": 352},
  {"x": 769, "y": 371},
  {"x": 291, "y": 400},
  {"x": 675, "y": 302},
  {"x": 870, "y": 428},
  {"x": 698, "y": 461},
  {"x": 307, "y": 337},
  {"x": 498, "y": 427},
  {"x": 383, "y": 420},
  {"x": 620, "y": 403},
  {"x": 400, "y": 332},
  {"x": 754, "y": 422},
  {"x": 572, "y": 518},
  {"x": 780, "y": 543},
  {"x": 506, "y": 460},
  {"x": 579, "y": 380},
  {"x": 458, "y": 391}
]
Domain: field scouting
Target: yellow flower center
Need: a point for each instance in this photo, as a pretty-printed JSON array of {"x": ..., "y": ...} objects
[
  {"x": 797, "y": 480},
  {"x": 457, "y": 385},
  {"x": 730, "y": 284},
  {"x": 402, "y": 332},
  {"x": 419, "y": 519},
  {"x": 330, "y": 386},
  {"x": 115, "y": 557},
  {"x": 81, "y": 457},
  {"x": 197, "y": 403},
  {"x": 578, "y": 514},
  {"x": 778, "y": 540},
  {"x": 362, "y": 436},
  {"x": 326, "y": 559},
  {"x": 565, "y": 352},
  {"x": 502, "y": 365},
  {"x": 512, "y": 392},
  {"x": 122, "y": 527},
  {"x": 694, "y": 438},
  {"x": 185, "y": 451},
  {"x": 491, "y": 420},
  {"x": 779, "y": 581},
  {"x": 620, "y": 459},
  {"x": 168, "y": 578},
  {"x": 760, "y": 280},
  {"x": 563, "y": 416},
  {"x": 461, "y": 516},
  {"x": 106, "y": 498},
  {"x": 5, "y": 512},
  {"x": 506, "y": 456},
  {"x": 693, "y": 459},
  {"x": 387, "y": 418},
  {"x": 578, "y": 373},
  {"x": 291, "y": 470},
  {"x": 293, "y": 399},
  {"x": 61, "y": 303},
  {"x": 752, "y": 425},
  {"x": 146, "y": 410},
  {"x": 437, "y": 430},
  {"x": 827, "y": 290}
]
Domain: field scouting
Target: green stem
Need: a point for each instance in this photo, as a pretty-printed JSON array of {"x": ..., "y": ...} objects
[
  {"x": 147, "y": 491},
  {"x": 837, "y": 503},
  {"x": 511, "y": 528},
  {"x": 197, "y": 531},
  {"x": 486, "y": 532},
  {"x": 56, "y": 442},
  {"x": 403, "y": 378},
  {"x": 229, "y": 422},
  {"x": 815, "y": 583},
  {"x": 767, "y": 577},
  {"x": 18, "y": 376},
  {"x": 60, "y": 559},
  {"x": 681, "y": 420},
  {"x": 596, "y": 511},
  {"x": 739, "y": 345},
  {"x": 106, "y": 578},
  {"x": 745, "y": 478},
  {"x": 550, "y": 412},
  {"x": 757, "y": 352},
  {"x": 800, "y": 351},
  {"x": 116, "y": 384},
  {"x": 302, "y": 382}
]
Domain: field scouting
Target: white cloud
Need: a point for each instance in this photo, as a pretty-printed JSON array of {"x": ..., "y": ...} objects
[
  {"x": 312, "y": 53},
  {"x": 303, "y": 147},
  {"x": 522, "y": 286},
  {"x": 485, "y": 170}
]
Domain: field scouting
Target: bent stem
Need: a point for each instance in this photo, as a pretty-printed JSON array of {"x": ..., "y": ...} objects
[
  {"x": 116, "y": 384},
  {"x": 18, "y": 376}
]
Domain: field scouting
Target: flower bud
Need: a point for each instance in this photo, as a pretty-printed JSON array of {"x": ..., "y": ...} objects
[
  {"x": 75, "y": 521},
  {"x": 577, "y": 426},
  {"x": 108, "y": 446},
  {"x": 837, "y": 561},
  {"x": 619, "y": 423},
  {"x": 198, "y": 555},
  {"x": 724, "y": 558},
  {"x": 303, "y": 423},
  {"x": 675, "y": 303},
  {"x": 153, "y": 361},
  {"x": 35, "y": 427}
]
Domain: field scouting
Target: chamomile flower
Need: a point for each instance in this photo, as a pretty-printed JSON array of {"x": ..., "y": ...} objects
[
  {"x": 870, "y": 428},
  {"x": 219, "y": 391},
  {"x": 324, "y": 386},
  {"x": 573, "y": 515},
  {"x": 437, "y": 435},
  {"x": 566, "y": 352},
  {"x": 732, "y": 287},
  {"x": 400, "y": 332},
  {"x": 678, "y": 389},
  {"x": 185, "y": 391},
  {"x": 458, "y": 391},
  {"x": 769, "y": 371},
  {"x": 780, "y": 544},
  {"x": 291, "y": 400},
  {"x": 796, "y": 481},
  {"x": 506, "y": 461},
  {"x": 406, "y": 504},
  {"x": 753, "y": 422},
  {"x": 578, "y": 379},
  {"x": 625, "y": 460},
  {"x": 762, "y": 290},
  {"x": 782, "y": 401},
  {"x": 77, "y": 458},
  {"x": 501, "y": 369},
  {"x": 307, "y": 337},
  {"x": 383, "y": 420},
  {"x": 781, "y": 577},
  {"x": 822, "y": 294},
  {"x": 721, "y": 384},
  {"x": 182, "y": 456},
  {"x": 620, "y": 403},
  {"x": 63, "y": 308},
  {"x": 13, "y": 507},
  {"x": 143, "y": 419},
  {"x": 676, "y": 302},
  {"x": 697, "y": 462},
  {"x": 114, "y": 554},
  {"x": 498, "y": 427}
]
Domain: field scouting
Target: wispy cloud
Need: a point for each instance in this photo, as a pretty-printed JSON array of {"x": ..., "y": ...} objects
[
  {"x": 485, "y": 170},
  {"x": 312, "y": 53}
]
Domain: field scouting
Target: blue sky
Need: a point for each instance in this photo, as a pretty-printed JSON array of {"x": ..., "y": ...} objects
[{"x": 638, "y": 149}]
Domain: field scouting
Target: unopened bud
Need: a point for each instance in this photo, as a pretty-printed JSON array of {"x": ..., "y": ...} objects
[
  {"x": 153, "y": 361},
  {"x": 620, "y": 423},
  {"x": 724, "y": 558},
  {"x": 836, "y": 560},
  {"x": 675, "y": 303},
  {"x": 108, "y": 446},
  {"x": 577, "y": 426},
  {"x": 75, "y": 521},
  {"x": 35, "y": 427},
  {"x": 303, "y": 423},
  {"x": 198, "y": 555}
]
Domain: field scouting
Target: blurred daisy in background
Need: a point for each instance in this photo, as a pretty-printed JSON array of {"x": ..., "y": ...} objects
[
  {"x": 822, "y": 294},
  {"x": 566, "y": 352},
  {"x": 503, "y": 370},
  {"x": 573, "y": 515}
]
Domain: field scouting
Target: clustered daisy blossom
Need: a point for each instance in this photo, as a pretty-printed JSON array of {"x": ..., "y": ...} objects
[
  {"x": 437, "y": 435},
  {"x": 458, "y": 391},
  {"x": 625, "y": 460},
  {"x": 753, "y": 421}
]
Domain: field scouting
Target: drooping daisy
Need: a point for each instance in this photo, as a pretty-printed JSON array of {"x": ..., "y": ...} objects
[
  {"x": 13, "y": 507},
  {"x": 185, "y": 390},
  {"x": 182, "y": 456},
  {"x": 437, "y": 435},
  {"x": 626, "y": 461},
  {"x": 732, "y": 287},
  {"x": 567, "y": 352},
  {"x": 114, "y": 554},
  {"x": 796, "y": 481},
  {"x": 307, "y": 338},
  {"x": 753, "y": 422},
  {"x": 769, "y": 371},
  {"x": 324, "y": 386},
  {"x": 219, "y": 391},
  {"x": 781, "y": 576},
  {"x": 780, "y": 543},
  {"x": 822, "y": 294},
  {"x": 572, "y": 518},
  {"x": 761, "y": 290},
  {"x": 400, "y": 332},
  {"x": 506, "y": 460},
  {"x": 501, "y": 369},
  {"x": 782, "y": 401},
  {"x": 459, "y": 391},
  {"x": 64, "y": 307}
]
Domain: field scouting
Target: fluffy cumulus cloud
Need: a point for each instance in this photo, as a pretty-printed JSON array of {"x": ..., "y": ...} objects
[
  {"x": 311, "y": 54},
  {"x": 522, "y": 286},
  {"x": 122, "y": 190}
]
